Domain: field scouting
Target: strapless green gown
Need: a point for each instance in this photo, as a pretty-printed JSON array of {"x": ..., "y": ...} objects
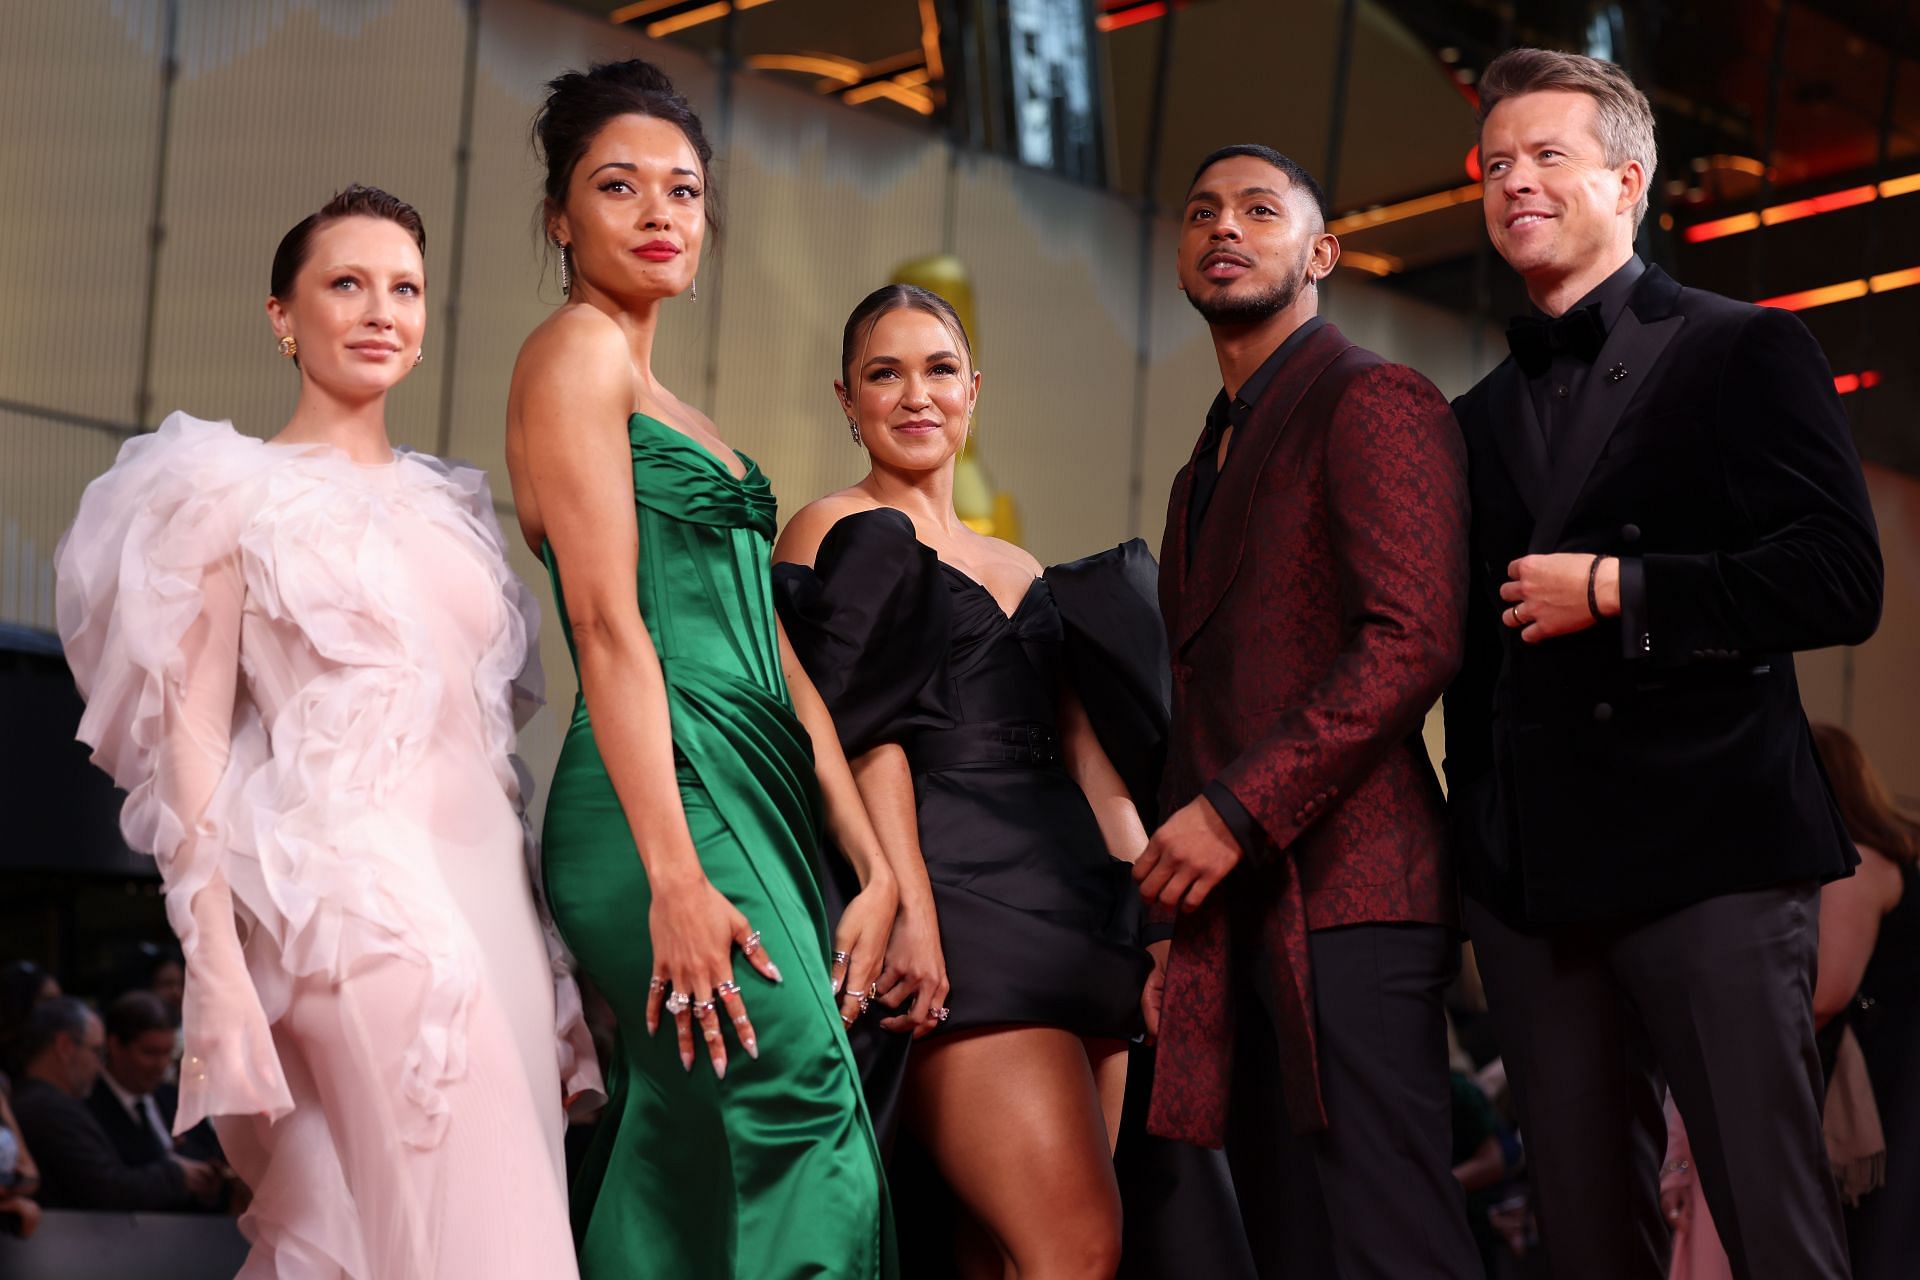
[{"x": 774, "y": 1171}]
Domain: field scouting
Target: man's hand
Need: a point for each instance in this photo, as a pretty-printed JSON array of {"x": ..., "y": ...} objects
[
  {"x": 203, "y": 1180},
  {"x": 1547, "y": 595},
  {"x": 1156, "y": 988},
  {"x": 1190, "y": 853}
]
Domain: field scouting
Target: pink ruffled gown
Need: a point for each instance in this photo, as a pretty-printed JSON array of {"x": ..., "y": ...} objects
[{"x": 307, "y": 675}]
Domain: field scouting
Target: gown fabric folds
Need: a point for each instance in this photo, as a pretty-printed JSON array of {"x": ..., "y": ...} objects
[
  {"x": 772, "y": 1172},
  {"x": 307, "y": 674}
]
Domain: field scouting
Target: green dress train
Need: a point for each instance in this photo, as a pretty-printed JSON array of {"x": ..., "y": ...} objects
[{"x": 773, "y": 1171}]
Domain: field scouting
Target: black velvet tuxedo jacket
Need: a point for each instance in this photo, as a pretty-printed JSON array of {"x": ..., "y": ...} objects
[{"x": 1660, "y": 758}]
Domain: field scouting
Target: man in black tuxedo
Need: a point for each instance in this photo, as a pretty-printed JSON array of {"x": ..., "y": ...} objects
[
  {"x": 132, "y": 1099},
  {"x": 1666, "y": 506}
]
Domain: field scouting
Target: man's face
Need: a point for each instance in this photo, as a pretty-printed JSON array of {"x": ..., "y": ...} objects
[
  {"x": 140, "y": 1065},
  {"x": 1247, "y": 242},
  {"x": 80, "y": 1059},
  {"x": 1553, "y": 205}
]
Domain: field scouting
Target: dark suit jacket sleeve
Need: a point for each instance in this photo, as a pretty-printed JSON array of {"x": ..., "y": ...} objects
[
  {"x": 79, "y": 1164},
  {"x": 1396, "y": 499},
  {"x": 1808, "y": 573},
  {"x": 1469, "y": 702}
]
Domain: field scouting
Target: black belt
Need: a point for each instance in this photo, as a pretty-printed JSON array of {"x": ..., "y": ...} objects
[{"x": 1033, "y": 745}]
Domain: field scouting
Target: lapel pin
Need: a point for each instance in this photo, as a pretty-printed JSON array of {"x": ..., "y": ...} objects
[{"x": 1617, "y": 373}]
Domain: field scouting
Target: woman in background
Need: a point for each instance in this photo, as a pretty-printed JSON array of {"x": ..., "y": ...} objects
[{"x": 305, "y": 660}]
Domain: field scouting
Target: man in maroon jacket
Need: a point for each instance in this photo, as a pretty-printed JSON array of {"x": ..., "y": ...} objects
[{"x": 1313, "y": 579}]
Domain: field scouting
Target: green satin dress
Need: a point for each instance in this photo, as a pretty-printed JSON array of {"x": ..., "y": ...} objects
[{"x": 774, "y": 1171}]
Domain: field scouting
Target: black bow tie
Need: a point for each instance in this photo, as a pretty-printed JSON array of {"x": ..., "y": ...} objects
[{"x": 1535, "y": 340}]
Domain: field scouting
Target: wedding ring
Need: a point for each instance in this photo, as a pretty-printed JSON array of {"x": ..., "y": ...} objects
[
  {"x": 939, "y": 1012},
  {"x": 752, "y": 944},
  {"x": 702, "y": 1008},
  {"x": 678, "y": 1003},
  {"x": 728, "y": 988},
  {"x": 846, "y": 1022}
]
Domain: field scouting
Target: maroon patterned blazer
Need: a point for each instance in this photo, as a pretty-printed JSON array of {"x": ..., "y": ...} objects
[{"x": 1322, "y": 616}]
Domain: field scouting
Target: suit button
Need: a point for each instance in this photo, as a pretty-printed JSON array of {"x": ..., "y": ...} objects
[
  {"x": 1603, "y": 711},
  {"x": 1629, "y": 533}
]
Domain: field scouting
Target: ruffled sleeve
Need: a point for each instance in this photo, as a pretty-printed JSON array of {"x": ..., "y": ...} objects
[
  {"x": 511, "y": 687},
  {"x": 1116, "y": 652},
  {"x": 871, "y": 622},
  {"x": 148, "y": 601}
]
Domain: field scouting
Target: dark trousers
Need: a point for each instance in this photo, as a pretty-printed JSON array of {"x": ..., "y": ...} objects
[
  {"x": 1717, "y": 998},
  {"x": 1374, "y": 1194}
]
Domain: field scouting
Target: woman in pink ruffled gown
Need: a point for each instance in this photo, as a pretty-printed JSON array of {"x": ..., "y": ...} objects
[{"x": 305, "y": 660}]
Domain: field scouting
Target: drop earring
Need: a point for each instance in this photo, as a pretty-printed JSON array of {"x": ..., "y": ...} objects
[
  {"x": 853, "y": 428},
  {"x": 566, "y": 271},
  {"x": 693, "y": 294}
]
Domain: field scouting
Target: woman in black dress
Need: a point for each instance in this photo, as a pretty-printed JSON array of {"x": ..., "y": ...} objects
[{"x": 940, "y": 653}]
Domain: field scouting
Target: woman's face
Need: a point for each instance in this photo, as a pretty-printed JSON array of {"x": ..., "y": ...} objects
[
  {"x": 636, "y": 211},
  {"x": 912, "y": 392},
  {"x": 358, "y": 307}
]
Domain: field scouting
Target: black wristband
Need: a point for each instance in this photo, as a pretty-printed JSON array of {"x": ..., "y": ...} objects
[{"x": 1593, "y": 579}]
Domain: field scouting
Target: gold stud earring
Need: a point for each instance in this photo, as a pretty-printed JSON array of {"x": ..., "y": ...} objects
[{"x": 288, "y": 347}]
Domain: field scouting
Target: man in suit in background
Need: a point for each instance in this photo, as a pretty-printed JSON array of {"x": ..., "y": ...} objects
[
  {"x": 1313, "y": 583},
  {"x": 132, "y": 1099},
  {"x": 1666, "y": 505},
  {"x": 80, "y": 1167}
]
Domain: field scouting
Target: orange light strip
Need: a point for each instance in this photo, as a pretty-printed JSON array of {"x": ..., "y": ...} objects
[
  {"x": 691, "y": 18},
  {"x": 1792, "y": 210},
  {"x": 1131, "y": 17},
  {"x": 841, "y": 69},
  {"x": 1848, "y": 383},
  {"x": 1405, "y": 209},
  {"x": 1845, "y": 291},
  {"x": 930, "y": 40},
  {"x": 1377, "y": 264},
  {"x": 893, "y": 91}
]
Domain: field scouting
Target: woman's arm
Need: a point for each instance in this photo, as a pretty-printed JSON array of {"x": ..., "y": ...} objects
[
  {"x": 916, "y": 965},
  {"x": 1850, "y": 913},
  {"x": 1087, "y": 764},
  {"x": 573, "y": 389}
]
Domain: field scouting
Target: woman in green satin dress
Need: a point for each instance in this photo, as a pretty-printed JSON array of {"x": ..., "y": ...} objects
[{"x": 700, "y": 766}]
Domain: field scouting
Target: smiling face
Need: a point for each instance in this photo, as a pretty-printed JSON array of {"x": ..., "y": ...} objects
[
  {"x": 635, "y": 216},
  {"x": 357, "y": 307},
  {"x": 912, "y": 391},
  {"x": 1555, "y": 209},
  {"x": 1249, "y": 242}
]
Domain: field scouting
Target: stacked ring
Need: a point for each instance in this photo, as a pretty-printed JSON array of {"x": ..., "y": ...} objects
[
  {"x": 701, "y": 1008},
  {"x": 678, "y": 1003},
  {"x": 752, "y": 944},
  {"x": 939, "y": 1013},
  {"x": 841, "y": 957},
  {"x": 656, "y": 983},
  {"x": 727, "y": 988}
]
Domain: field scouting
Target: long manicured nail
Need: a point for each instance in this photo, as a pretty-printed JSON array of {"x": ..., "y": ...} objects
[
  {"x": 686, "y": 1061},
  {"x": 720, "y": 1068},
  {"x": 774, "y": 970},
  {"x": 752, "y": 1047}
]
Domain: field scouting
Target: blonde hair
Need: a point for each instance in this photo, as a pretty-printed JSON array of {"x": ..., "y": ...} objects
[{"x": 1625, "y": 117}]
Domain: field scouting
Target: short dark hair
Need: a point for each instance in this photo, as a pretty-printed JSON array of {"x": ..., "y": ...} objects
[
  {"x": 62, "y": 1015},
  {"x": 580, "y": 103},
  {"x": 135, "y": 1014},
  {"x": 1296, "y": 172},
  {"x": 355, "y": 201},
  {"x": 897, "y": 297}
]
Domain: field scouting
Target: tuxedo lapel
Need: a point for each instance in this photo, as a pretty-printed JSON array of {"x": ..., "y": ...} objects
[
  {"x": 1625, "y": 364},
  {"x": 1223, "y": 530},
  {"x": 1517, "y": 435}
]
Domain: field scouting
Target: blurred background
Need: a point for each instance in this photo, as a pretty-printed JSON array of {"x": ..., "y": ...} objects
[{"x": 1030, "y": 152}]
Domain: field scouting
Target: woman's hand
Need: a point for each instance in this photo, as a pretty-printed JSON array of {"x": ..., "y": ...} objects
[
  {"x": 916, "y": 971},
  {"x": 695, "y": 930},
  {"x": 860, "y": 946},
  {"x": 1156, "y": 988}
]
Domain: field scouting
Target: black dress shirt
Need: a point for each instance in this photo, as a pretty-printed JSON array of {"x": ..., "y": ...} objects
[
  {"x": 1556, "y": 391},
  {"x": 1233, "y": 412}
]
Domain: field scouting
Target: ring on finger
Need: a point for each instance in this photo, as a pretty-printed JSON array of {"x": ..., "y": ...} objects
[
  {"x": 678, "y": 1003},
  {"x": 752, "y": 944},
  {"x": 940, "y": 1012},
  {"x": 702, "y": 1008},
  {"x": 727, "y": 988},
  {"x": 841, "y": 957},
  {"x": 656, "y": 983},
  {"x": 865, "y": 1001}
]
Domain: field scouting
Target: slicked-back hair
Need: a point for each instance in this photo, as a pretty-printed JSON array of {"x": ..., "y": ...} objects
[
  {"x": 355, "y": 201},
  {"x": 890, "y": 298},
  {"x": 1296, "y": 172},
  {"x": 1624, "y": 118}
]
